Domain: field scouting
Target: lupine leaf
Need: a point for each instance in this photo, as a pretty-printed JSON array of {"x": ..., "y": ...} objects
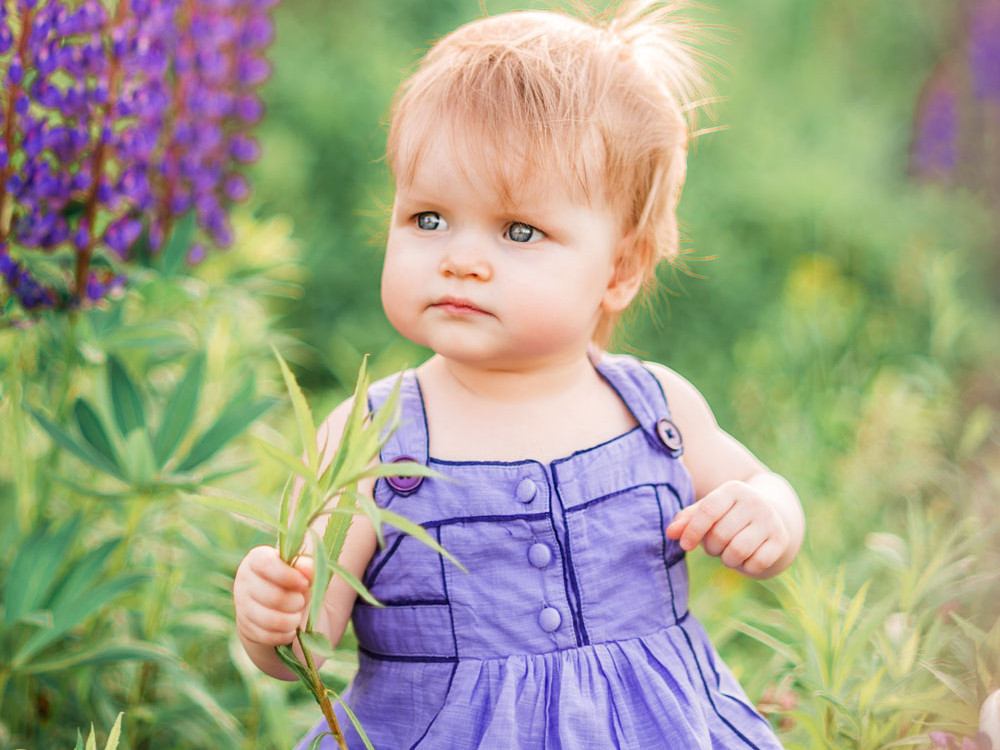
[
  {"x": 104, "y": 653},
  {"x": 180, "y": 411},
  {"x": 125, "y": 398},
  {"x": 235, "y": 418},
  {"x": 73, "y": 612},
  {"x": 92, "y": 429},
  {"x": 33, "y": 572},
  {"x": 65, "y": 441},
  {"x": 219, "y": 500},
  {"x": 307, "y": 427},
  {"x": 177, "y": 246},
  {"x": 80, "y": 576},
  {"x": 141, "y": 464}
]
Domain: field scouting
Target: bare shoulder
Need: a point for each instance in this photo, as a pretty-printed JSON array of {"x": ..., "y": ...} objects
[{"x": 688, "y": 407}]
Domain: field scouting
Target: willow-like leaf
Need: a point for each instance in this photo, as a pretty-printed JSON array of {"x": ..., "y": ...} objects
[
  {"x": 354, "y": 720},
  {"x": 397, "y": 469},
  {"x": 317, "y": 643},
  {"x": 353, "y": 426},
  {"x": 288, "y": 658},
  {"x": 354, "y": 583},
  {"x": 337, "y": 525},
  {"x": 291, "y": 462},
  {"x": 318, "y": 739},
  {"x": 321, "y": 579},
  {"x": 307, "y": 427},
  {"x": 418, "y": 532}
]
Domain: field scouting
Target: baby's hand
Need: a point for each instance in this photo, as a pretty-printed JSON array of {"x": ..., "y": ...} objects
[
  {"x": 736, "y": 523},
  {"x": 270, "y": 596}
]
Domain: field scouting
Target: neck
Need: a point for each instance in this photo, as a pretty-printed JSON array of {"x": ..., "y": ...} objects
[{"x": 516, "y": 385}]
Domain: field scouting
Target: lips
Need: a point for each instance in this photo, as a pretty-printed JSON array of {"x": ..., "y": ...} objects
[{"x": 458, "y": 306}]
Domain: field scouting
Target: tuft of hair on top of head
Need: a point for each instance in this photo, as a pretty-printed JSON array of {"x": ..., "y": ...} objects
[{"x": 601, "y": 104}]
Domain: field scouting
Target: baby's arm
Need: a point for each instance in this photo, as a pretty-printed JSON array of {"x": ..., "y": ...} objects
[
  {"x": 271, "y": 597},
  {"x": 745, "y": 514}
]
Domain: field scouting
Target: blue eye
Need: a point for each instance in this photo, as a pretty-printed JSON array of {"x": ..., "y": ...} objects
[
  {"x": 521, "y": 232},
  {"x": 431, "y": 220}
]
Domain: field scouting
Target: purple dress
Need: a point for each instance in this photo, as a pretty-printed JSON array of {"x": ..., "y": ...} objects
[{"x": 570, "y": 630}]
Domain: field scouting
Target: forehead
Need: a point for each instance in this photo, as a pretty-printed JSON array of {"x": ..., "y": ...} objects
[{"x": 514, "y": 165}]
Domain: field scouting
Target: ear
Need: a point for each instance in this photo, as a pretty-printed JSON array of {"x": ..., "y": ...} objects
[{"x": 626, "y": 280}]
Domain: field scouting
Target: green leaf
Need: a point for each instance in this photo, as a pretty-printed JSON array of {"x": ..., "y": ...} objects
[
  {"x": 354, "y": 583},
  {"x": 180, "y": 411},
  {"x": 81, "y": 574},
  {"x": 317, "y": 643},
  {"x": 290, "y": 660},
  {"x": 291, "y": 462},
  {"x": 103, "y": 653},
  {"x": 418, "y": 532},
  {"x": 307, "y": 427},
  {"x": 321, "y": 579},
  {"x": 65, "y": 441},
  {"x": 354, "y": 720},
  {"x": 33, "y": 572},
  {"x": 93, "y": 431},
  {"x": 115, "y": 734},
  {"x": 125, "y": 398},
  {"x": 79, "y": 741},
  {"x": 175, "y": 250},
  {"x": 352, "y": 428},
  {"x": 218, "y": 500},
  {"x": 141, "y": 464},
  {"x": 91, "y": 739},
  {"x": 235, "y": 418},
  {"x": 318, "y": 739},
  {"x": 74, "y": 612}
]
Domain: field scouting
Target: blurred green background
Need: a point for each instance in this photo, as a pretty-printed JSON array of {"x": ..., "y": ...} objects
[{"x": 841, "y": 317}]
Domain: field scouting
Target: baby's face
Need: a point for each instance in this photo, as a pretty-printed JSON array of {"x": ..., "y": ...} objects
[{"x": 495, "y": 283}]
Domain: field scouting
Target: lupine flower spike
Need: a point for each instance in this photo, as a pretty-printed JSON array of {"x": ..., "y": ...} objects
[{"x": 115, "y": 123}]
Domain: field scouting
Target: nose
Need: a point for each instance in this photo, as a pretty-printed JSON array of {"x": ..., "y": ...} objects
[{"x": 464, "y": 259}]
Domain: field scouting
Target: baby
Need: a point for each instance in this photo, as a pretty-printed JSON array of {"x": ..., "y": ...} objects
[{"x": 538, "y": 159}]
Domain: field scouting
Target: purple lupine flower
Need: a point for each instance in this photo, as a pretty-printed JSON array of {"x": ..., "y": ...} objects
[
  {"x": 984, "y": 49},
  {"x": 128, "y": 119}
]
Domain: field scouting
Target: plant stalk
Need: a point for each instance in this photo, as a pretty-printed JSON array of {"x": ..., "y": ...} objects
[{"x": 319, "y": 690}]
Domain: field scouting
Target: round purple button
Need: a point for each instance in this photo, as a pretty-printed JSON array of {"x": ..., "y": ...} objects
[
  {"x": 404, "y": 485},
  {"x": 526, "y": 490},
  {"x": 539, "y": 555},
  {"x": 549, "y": 619},
  {"x": 670, "y": 436}
]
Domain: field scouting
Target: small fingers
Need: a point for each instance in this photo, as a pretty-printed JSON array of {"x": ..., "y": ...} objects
[
  {"x": 268, "y": 565},
  {"x": 742, "y": 547},
  {"x": 706, "y": 512}
]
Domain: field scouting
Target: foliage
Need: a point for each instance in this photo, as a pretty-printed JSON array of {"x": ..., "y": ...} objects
[
  {"x": 119, "y": 119},
  {"x": 847, "y": 331}
]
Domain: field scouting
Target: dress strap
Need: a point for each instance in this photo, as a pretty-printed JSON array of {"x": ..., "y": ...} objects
[
  {"x": 409, "y": 441},
  {"x": 642, "y": 393}
]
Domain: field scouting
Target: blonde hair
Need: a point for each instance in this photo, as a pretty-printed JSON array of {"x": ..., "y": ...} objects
[{"x": 549, "y": 87}]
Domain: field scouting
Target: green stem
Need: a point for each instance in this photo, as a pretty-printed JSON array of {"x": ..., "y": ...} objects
[
  {"x": 319, "y": 690},
  {"x": 63, "y": 393}
]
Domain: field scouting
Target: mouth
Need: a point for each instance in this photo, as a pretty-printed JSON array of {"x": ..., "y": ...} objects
[{"x": 457, "y": 306}]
